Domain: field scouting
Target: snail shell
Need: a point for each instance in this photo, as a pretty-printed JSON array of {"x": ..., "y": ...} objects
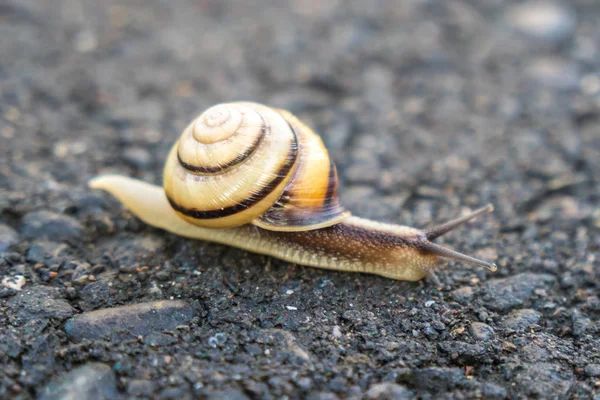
[{"x": 240, "y": 163}]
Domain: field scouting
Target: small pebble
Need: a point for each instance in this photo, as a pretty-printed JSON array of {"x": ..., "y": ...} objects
[
  {"x": 138, "y": 157},
  {"x": 14, "y": 282},
  {"x": 285, "y": 341},
  {"x": 38, "y": 252},
  {"x": 554, "y": 73},
  {"x": 592, "y": 303},
  {"x": 463, "y": 351},
  {"x": 388, "y": 391},
  {"x": 157, "y": 339},
  {"x": 590, "y": 84},
  {"x": 71, "y": 293},
  {"x": 50, "y": 225},
  {"x": 84, "y": 92},
  {"x": 436, "y": 379},
  {"x": 8, "y": 237},
  {"x": 141, "y": 388},
  {"x": 544, "y": 20},
  {"x": 40, "y": 302},
  {"x": 581, "y": 323},
  {"x": 128, "y": 322},
  {"x": 506, "y": 293},
  {"x": 133, "y": 249},
  {"x": 251, "y": 348},
  {"x": 567, "y": 281},
  {"x": 493, "y": 391},
  {"x": 463, "y": 294},
  {"x": 85, "y": 41},
  {"x": 548, "y": 378},
  {"x": 6, "y": 292},
  {"x": 217, "y": 340},
  {"x": 592, "y": 370},
  {"x": 481, "y": 331},
  {"x": 337, "y": 333},
  {"x": 519, "y": 320},
  {"x": 90, "y": 381}
]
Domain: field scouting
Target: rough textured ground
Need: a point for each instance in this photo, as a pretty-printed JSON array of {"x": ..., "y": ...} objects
[{"x": 430, "y": 108}]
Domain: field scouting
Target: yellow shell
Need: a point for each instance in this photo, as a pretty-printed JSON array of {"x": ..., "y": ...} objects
[{"x": 241, "y": 163}]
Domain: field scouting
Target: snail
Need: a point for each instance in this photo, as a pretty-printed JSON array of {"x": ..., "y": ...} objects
[{"x": 257, "y": 178}]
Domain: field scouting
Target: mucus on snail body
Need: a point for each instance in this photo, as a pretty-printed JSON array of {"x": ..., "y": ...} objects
[{"x": 257, "y": 178}]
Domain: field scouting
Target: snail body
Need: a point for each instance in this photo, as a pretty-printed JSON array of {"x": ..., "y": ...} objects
[{"x": 257, "y": 178}]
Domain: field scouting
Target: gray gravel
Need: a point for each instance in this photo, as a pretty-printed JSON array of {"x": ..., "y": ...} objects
[{"x": 429, "y": 109}]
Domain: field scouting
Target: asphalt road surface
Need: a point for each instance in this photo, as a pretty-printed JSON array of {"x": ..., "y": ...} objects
[{"x": 430, "y": 109}]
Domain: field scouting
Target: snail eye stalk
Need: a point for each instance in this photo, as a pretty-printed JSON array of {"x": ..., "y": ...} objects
[{"x": 444, "y": 252}]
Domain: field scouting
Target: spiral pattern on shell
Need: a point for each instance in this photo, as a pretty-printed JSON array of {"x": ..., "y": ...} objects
[{"x": 240, "y": 163}]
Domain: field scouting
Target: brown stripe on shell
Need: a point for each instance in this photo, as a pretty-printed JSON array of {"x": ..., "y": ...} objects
[
  {"x": 247, "y": 203},
  {"x": 286, "y": 191},
  {"x": 221, "y": 168},
  {"x": 289, "y": 213},
  {"x": 231, "y": 164},
  {"x": 331, "y": 192}
]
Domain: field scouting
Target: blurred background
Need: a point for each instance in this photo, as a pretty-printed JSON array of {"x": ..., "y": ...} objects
[
  {"x": 428, "y": 107},
  {"x": 505, "y": 93}
]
